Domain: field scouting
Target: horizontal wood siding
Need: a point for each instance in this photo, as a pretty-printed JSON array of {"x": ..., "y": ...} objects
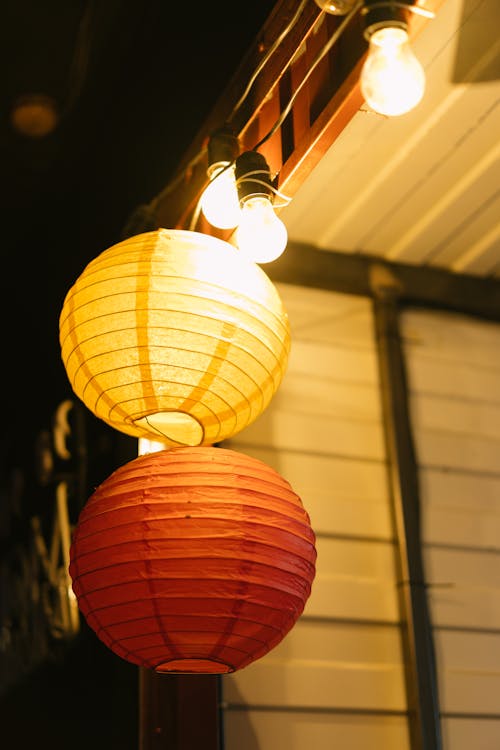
[
  {"x": 453, "y": 365},
  {"x": 299, "y": 730},
  {"x": 337, "y": 678},
  {"x": 324, "y": 666}
]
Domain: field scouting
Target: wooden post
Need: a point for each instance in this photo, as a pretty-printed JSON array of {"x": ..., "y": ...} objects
[
  {"x": 178, "y": 712},
  {"x": 418, "y": 647}
]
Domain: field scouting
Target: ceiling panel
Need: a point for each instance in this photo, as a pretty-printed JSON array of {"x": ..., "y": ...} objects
[{"x": 422, "y": 188}]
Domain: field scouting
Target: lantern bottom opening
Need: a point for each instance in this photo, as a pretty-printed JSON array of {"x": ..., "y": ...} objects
[
  {"x": 175, "y": 426},
  {"x": 194, "y": 666}
]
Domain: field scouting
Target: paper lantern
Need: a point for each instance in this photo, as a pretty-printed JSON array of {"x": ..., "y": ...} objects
[
  {"x": 174, "y": 335},
  {"x": 194, "y": 560}
]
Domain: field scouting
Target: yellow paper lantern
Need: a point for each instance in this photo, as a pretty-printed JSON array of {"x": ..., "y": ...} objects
[{"x": 174, "y": 335}]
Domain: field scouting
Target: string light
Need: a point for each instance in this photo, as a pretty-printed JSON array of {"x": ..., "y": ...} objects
[
  {"x": 336, "y": 7},
  {"x": 388, "y": 15},
  {"x": 392, "y": 79},
  {"x": 261, "y": 235},
  {"x": 219, "y": 202}
]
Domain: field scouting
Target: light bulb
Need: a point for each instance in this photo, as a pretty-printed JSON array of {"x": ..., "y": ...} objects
[
  {"x": 336, "y": 7},
  {"x": 261, "y": 235},
  {"x": 219, "y": 202},
  {"x": 392, "y": 79}
]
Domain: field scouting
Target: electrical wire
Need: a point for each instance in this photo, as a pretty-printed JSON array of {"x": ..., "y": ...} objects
[
  {"x": 285, "y": 112},
  {"x": 284, "y": 198},
  {"x": 267, "y": 57},
  {"x": 327, "y": 47},
  {"x": 202, "y": 153}
]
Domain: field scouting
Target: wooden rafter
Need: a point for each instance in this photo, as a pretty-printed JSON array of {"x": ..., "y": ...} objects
[{"x": 324, "y": 106}]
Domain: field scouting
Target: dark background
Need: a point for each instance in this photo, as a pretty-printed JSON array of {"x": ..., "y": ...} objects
[{"x": 133, "y": 83}]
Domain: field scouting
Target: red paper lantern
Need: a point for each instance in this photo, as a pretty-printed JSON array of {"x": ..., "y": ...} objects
[{"x": 193, "y": 560}]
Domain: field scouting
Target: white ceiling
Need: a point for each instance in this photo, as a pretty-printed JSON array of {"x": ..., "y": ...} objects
[{"x": 422, "y": 188}]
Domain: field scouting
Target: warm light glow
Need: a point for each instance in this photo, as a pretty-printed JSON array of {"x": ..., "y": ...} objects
[
  {"x": 336, "y": 7},
  {"x": 219, "y": 202},
  {"x": 261, "y": 235},
  {"x": 392, "y": 79},
  {"x": 174, "y": 336},
  {"x": 145, "y": 445},
  {"x": 35, "y": 115}
]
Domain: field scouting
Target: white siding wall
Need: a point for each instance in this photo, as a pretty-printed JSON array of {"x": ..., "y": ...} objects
[
  {"x": 453, "y": 365},
  {"x": 337, "y": 679}
]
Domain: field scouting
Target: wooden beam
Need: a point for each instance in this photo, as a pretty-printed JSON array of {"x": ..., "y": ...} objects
[
  {"x": 325, "y": 104},
  {"x": 419, "y": 286},
  {"x": 416, "y": 630},
  {"x": 174, "y": 207}
]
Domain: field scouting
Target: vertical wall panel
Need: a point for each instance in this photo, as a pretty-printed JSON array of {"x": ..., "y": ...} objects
[
  {"x": 453, "y": 364},
  {"x": 337, "y": 679}
]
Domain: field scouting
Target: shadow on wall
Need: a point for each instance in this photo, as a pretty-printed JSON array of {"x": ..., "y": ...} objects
[{"x": 237, "y": 728}]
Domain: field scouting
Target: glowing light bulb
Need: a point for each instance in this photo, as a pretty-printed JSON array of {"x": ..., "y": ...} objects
[
  {"x": 261, "y": 235},
  {"x": 219, "y": 202},
  {"x": 336, "y": 7},
  {"x": 392, "y": 79}
]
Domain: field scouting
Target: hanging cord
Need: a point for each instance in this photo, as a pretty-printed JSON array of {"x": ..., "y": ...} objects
[
  {"x": 268, "y": 55},
  {"x": 202, "y": 153},
  {"x": 335, "y": 36},
  {"x": 285, "y": 199},
  {"x": 285, "y": 112}
]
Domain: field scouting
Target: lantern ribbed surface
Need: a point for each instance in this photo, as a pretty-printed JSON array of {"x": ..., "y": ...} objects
[
  {"x": 194, "y": 560},
  {"x": 175, "y": 336}
]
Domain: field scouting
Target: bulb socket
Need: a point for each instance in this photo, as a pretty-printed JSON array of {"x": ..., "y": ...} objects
[
  {"x": 382, "y": 14},
  {"x": 222, "y": 146},
  {"x": 253, "y": 176}
]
